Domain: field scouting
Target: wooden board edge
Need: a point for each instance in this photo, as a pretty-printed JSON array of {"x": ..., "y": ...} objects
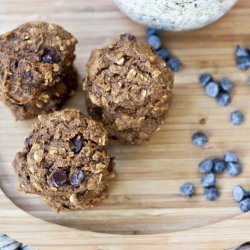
[{"x": 25, "y": 228}]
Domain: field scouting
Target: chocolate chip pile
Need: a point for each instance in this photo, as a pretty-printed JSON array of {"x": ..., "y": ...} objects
[
  {"x": 210, "y": 168},
  {"x": 221, "y": 90},
  {"x": 153, "y": 39}
]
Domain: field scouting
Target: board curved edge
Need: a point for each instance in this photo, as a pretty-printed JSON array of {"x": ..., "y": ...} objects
[{"x": 33, "y": 231}]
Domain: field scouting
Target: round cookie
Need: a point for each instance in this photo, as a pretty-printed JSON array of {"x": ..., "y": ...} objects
[
  {"x": 65, "y": 160},
  {"x": 128, "y": 88},
  {"x": 36, "y": 68}
]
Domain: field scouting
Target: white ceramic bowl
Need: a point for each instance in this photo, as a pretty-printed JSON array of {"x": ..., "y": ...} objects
[{"x": 175, "y": 15}]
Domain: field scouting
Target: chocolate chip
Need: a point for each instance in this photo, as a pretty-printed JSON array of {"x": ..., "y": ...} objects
[
  {"x": 78, "y": 144},
  {"x": 130, "y": 36},
  {"x": 211, "y": 193},
  {"x": 51, "y": 55},
  {"x": 77, "y": 178},
  {"x": 58, "y": 178},
  {"x": 48, "y": 164},
  {"x": 96, "y": 113},
  {"x": 199, "y": 139},
  {"x": 28, "y": 142},
  {"x": 153, "y": 32},
  {"x": 111, "y": 164},
  {"x": 174, "y": 64},
  {"x": 16, "y": 64},
  {"x": 155, "y": 42},
  {"x": 17, "y": 105},
  {"x": 48, "y": 58},
  {"x": 28, "y": 74},
  {"x": 205, "y": 78},
  {"x": 187, "y": 189},
  {"x": 212, "y": 89}
]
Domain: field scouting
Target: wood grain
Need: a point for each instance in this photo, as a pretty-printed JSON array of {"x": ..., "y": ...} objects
[
  {"x": 47, "y": 236},
  {"x": 144, "y": 198}
]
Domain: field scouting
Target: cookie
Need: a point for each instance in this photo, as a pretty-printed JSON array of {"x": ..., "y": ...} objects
[
  {"x": 128, "y": 88},
  {"x": 36, "y": 68},
  {"x": 65, "y": 160}
]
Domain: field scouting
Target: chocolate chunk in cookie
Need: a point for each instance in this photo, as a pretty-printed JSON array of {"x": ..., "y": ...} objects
[
  {"x": 128, "y": 88},
  {"x": 36, "y": 68},
  {"x": 49, "y": 165}
]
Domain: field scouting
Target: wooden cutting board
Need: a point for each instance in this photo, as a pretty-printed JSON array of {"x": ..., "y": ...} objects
[{"x": 144, "y": 197}]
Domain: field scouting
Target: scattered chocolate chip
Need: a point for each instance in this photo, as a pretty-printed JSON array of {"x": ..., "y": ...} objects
[
  {"x": 153, "y": 32},
  {"x": 243, "y": 63},
  {"x": 226, "y": 84},
  {"x": 205, "y": 78},
  {"x": 208, "y": 180},
  {"x": 219, "y": 165},
  {"x": 211, "y": 193},
  {"x": 223, "y": 98},
  {"x": 245, "y": 205},
  {"x": 212, "y": 89},
  {"x": 174, "y": 64},
  {"x": 77, "y": 178},
  {"x": 221, "y": 91},
  {"x": 237, "y": 117},
  {"x": 238, "y": 193},
  {"x": 240, "y": 51},
  {"x": 234, "y": 168},
  {"x": 58, "y": 178},
  {"x": 155, "y": 42},
  {"x": 199, "y": 139},
  {"x": 230, "y": 156},
  {"x": 78, "y": 144},
  {"x": 163, "y": 53},
  {"x": 187, "y": 189},
  {"x": 206, "y": 166}
]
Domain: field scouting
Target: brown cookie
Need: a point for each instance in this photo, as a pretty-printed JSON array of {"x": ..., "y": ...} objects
[
  {"x": 36, "y": 68},
  {"x": 65, "y": 160},
  {"x": 128, "y": 88}
]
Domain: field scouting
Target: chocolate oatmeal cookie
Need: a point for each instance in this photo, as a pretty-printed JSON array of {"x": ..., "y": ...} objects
[
  {"x": 65, "y": 160},
  {"x": 128, "y": 88},
  {"x": 36, "y": 68}
]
